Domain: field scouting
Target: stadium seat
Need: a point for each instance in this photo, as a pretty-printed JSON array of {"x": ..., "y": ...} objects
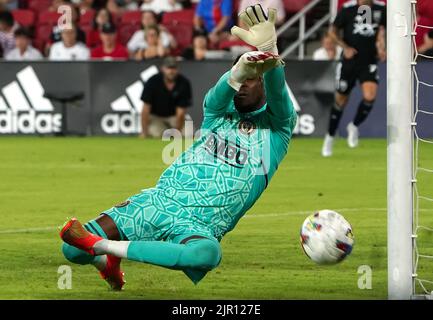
[
  {"x": 425, "y": 17},
  {"x": 293, "y": 6},
  {"x": 178, "y": 17},
  {"x": 86, "y": 28},
  {"x": 125, "y": 32},
  {"x": 425, "y": 8},
  {"x": 236, "y": 4},
  {"x": 42, "y": 36},
  {"x": 131, "y": 18},
  {"x": 48, "y": 18},
  {"x": 223, "y": 45},
  {"x": 39, "y": 5},
  {"x": 25, "y": 18},
  {"x": 86, "y": 18},
  {"x": 182, "y": 33}
]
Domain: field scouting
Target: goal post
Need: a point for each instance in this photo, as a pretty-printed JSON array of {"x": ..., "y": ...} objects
[{"x": 400, "y": 149}]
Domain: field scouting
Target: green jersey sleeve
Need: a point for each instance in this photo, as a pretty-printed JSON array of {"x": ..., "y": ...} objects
[
  {"x": 280, "y": 107},
  {"x": 219, "y": 98}
]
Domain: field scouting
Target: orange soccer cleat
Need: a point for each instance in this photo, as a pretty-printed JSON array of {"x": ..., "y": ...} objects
[
  {"x": 76, "y": 235},
  {"x": 112, "y": 273}
]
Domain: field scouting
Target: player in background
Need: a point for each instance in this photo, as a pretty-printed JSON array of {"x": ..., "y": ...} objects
[
  {"x": 248, "y": 123},
  {"x": 362, "y": 23}
]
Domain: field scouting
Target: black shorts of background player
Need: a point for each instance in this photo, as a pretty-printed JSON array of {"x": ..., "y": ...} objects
[{"x": 359, "y": 28}]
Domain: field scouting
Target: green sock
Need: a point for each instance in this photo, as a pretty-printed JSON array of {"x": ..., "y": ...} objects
[{"x": 203, "y": 254}]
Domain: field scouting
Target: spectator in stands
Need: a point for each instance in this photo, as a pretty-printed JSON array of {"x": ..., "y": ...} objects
[
  {"x": 198, "y": 49},
  {"x": 8, "y": 5},
  {"x": 426, "y": 48},
  {"x": 138, "y": 39},
  {"x": 83, "y": 5},
  {"x": 214, "y": 17},
  {"x": 154, "y": 47},
  {"x": 117, "y": 7},
  {"x": 110, "y": 48},
  {"x": 23, "y": 47},
  {"x": 69, "y": 48},
  {"x": 7, "y": 29},
  {"x": 159, "y": 6},
  {"x": 99, "y": 4},
  {"x": 57, "y": 3},
  {"x": 266, "y": 4},
  {"x": 329, "y": 49},
  {"x": 166, "y": 96},
  {"x": 102, "y": 16}
]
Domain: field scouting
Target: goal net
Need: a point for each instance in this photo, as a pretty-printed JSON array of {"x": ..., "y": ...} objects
[{"x": 422, "y": 66}]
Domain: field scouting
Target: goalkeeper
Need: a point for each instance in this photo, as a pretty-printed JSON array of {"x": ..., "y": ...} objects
[{"x": 178, "y": 224}]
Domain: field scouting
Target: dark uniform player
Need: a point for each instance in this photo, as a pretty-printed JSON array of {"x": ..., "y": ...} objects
[{"x": 362, "y": 23}]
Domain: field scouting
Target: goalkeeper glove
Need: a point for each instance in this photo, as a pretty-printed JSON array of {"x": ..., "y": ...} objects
[
  {"x": 261, "y": 33},
  {"x": 252, "y": 65}
]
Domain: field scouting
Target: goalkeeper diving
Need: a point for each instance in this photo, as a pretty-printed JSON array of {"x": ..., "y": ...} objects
[{"x": 178, "y": 224}]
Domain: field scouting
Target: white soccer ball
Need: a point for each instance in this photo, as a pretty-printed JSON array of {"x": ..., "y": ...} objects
[{"x": 326, "y": 237}]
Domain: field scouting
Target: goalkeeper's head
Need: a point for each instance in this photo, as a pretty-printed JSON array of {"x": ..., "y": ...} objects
[{"x": 251, "y": 95}]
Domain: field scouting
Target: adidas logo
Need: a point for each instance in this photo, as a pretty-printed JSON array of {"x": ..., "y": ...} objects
[
  {"x": 23, "y": 108},
  {"x": 127, "y": 108}
]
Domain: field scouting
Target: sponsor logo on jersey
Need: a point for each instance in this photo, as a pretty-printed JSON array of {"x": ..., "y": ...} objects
[
  {"x": 225, "y": 150},
  {"x": 23, "y": 108}
]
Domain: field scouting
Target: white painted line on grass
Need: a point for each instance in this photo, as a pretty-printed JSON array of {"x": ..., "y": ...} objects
[
  {"x": 27, "y": 230},
  {"x": 252, "y": 215}
]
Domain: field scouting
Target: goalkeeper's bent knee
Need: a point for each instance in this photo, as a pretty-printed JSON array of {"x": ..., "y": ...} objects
[{"x": 76, "y": 255}]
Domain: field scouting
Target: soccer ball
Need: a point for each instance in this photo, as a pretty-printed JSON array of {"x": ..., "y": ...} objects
[{"x": 326, "y": 237}]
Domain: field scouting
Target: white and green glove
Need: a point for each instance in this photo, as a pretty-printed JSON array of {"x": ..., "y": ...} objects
[
  {"x": 252, "y": 65},
  {"x": 261, "y": 33}
]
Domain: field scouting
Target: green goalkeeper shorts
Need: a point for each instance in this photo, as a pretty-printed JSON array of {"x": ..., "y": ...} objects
[{"x": 150, "y": 216}]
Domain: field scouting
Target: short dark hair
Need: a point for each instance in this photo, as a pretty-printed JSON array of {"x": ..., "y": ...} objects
[
  {"x": 22, "y": 32},
  {"x": 7, "y": 18},
  {"x": 110, "y": 17}
]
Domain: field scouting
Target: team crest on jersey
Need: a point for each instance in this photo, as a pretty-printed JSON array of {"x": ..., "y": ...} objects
[
  {"x": 247, "y": 126},
  {"x": 123, "y": 204}
]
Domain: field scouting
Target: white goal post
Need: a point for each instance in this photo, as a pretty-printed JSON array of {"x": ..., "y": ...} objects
[{"x": 400, "y": 149}]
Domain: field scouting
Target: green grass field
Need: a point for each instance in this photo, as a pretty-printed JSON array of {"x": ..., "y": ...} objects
[{"x": 45, "y": 180}]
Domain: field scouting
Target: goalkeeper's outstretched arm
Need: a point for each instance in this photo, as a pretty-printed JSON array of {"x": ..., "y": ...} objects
[
  {"x": 219, "y": 97},
  {"x": 280, "y": 106},
  {"x": 250, "y": 65}
]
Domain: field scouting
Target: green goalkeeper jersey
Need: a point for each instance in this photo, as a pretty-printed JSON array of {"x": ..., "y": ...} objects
[{"x": 225, "y": 171}]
